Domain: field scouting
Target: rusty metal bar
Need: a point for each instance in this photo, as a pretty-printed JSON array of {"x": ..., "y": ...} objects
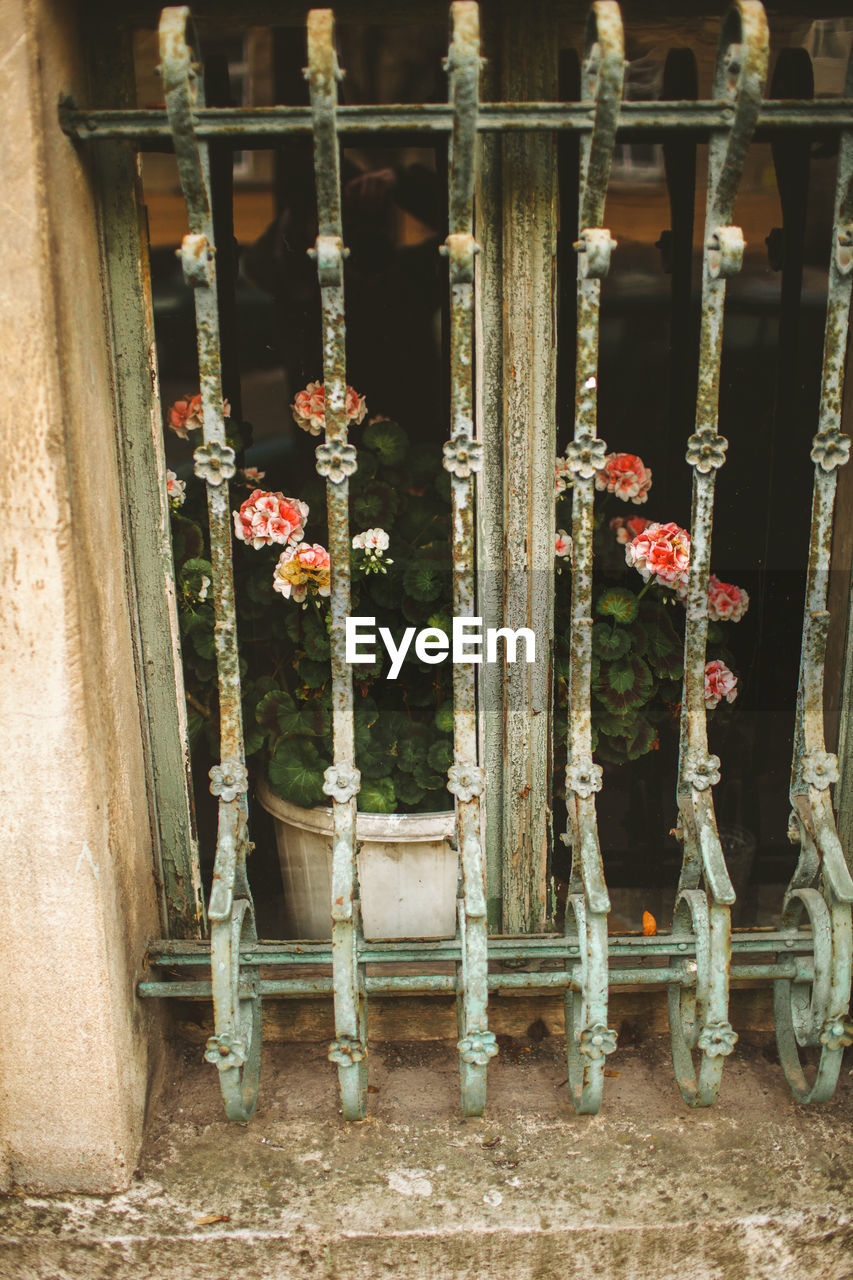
[
  {"x": 700, "y": 1022},
  {"x": 588, "y": 1038},
  {"x": 235, "y": 1048},
  {"x": 463, "y": 458},
  {"x": 336, "y": 460},
  {"x": 536, "y": 947},
  {"x": 247, "y": 126},
  {"x": 528, "y": 428},
  {"x": 818, "y": 1013}
]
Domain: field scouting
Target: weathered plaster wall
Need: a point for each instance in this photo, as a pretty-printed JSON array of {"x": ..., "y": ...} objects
[{"x": 77, "y": 899}]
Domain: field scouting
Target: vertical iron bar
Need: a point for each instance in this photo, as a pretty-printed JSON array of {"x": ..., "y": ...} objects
[
  {"x": 739, "y": 79},
  {"x": 488, "y": 369},
  {"x": 588, "y": 1038},
  {"x": 814, "y": 770},
  {"x": 463, "y": 458},
  {"x": 236, "y": 1046},
  {"x": 529, "y": 401},
  {"x": 336, "y": 460}
]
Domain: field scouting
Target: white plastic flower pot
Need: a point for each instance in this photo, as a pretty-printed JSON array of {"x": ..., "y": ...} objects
[{"x": 407, "y": 870}]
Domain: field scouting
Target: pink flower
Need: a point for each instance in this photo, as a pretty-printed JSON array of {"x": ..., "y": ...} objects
[
  {"x": 187, "y": 415},
  {"x": 176, "y": 490},
  {"x": 302, "y": 569},
  {"x": 726, "y": 602},
  {"x": 626, "y": 475},
  {"x": 251, "y": 476},
  {"x": 627, "y": 527},
  {"x": 265, "y": 518},
  {"x": 309, "y": 408},
  {"x": 562, "y": 543},
  {"x": 562, "y": 476},
  {"x": 661, "y": 552},
  {"x": 719, "y": 683}
]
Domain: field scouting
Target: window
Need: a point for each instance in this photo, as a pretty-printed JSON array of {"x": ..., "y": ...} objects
[{"x": 636, "y": 359}]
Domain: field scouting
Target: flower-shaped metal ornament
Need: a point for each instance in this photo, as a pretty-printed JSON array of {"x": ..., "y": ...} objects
[
  {"x": 465, "y": 781},
  {"x": 478, "y": 1047},
  {"x": 341, "y": 782},
  {"x": 830, "y": 449},
  {"x": 346, "y": 1050},
  {"x": 820, "y": 769},
  {"x": 585, "y": 455},
  {"x": 706, "y": 450},
  {"x": 702, "y": 772},
  {"x": 583, "y": 777},
  {"x": 717, "y": 1039},
  {"x": 837, "y": 1033},
  {"x": 225, "y": 1051},
  {"x": 336, "y": 460},
  {"x": 214, "y": 462},
  {"x": 228, "y": 780},
  {"x": 463, "y": 455},
  {"x": 597, "y": 1042}
]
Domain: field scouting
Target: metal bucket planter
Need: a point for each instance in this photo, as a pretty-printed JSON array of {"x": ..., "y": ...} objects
[{"x": 407, "y": 870}]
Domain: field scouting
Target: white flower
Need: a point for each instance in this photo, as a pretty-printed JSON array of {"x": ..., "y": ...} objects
[
  {"x": 204, "y": 588},
  {"x": 563, "y": 543},
  {"x": 176, "y": 490},
  {"x": 372, "y": 540}
]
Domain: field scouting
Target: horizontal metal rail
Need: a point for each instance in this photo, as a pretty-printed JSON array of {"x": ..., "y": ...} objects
[
  {"x": 639, "y": 119},
  {"x": 169, "y": 953}
]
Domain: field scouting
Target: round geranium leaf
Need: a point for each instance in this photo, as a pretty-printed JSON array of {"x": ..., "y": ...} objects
[
  {"x": 387, "y": 440},
  {"x": 617, "y": 603},
  {"x": 444, "y": 717},
  {"x": 610, "y": 642},
  {"x": 377, "y": 795}
]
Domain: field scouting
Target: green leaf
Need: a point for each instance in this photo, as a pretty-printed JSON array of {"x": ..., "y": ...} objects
[
  {"x": 296, "y": 772},
  {"x": 376, "y": 505},
  {"x": 408, "y": 790},
  {"x": 374, "y": 761},
  {"x": 642, "y": 740},
  {"x": 444, "y": 717},
  {"x": 412, "y": 755},
  {"x": 624, "y": 685},
  {"x": 617, "y": 603},
  {"x": 425, "y": 580},
  {"x": 314, "y": 674},
  {"x": 377, "y": 796},
  {"x": 440, "y": 756},
  {"x": 387, "y": 440},
  {"x": 611, "y": 642}
]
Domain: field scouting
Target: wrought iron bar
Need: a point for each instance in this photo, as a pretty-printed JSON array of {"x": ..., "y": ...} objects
[
  {"x": 235, "y": 1048},
  {"x": 588, "y": 1038},
  {"x": 248, "y": 126},
  {"x": 818, "y": 1013},
  {"x": 336, "y": 460},
  {"x": 463, "y": 458},
  {"x": 537, "y": 947},
  {"x": 700, "y": 1021}
]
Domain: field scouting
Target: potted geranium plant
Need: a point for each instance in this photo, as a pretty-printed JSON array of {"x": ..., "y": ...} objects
[{"x": 401, "y": 573}]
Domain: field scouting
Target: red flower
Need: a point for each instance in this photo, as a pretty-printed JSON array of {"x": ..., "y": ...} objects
[
  {"x": 186, "y": 415},
  {"x": 726, "y": 602},
  {"x": 719, "y": 683},
  {"x": 627, "y": 527},
  {"x": 662, "y": 552},
  {"x": 626, "y": 475},
  {"x": 265, "y": 518},
  {"x": 309, "y": 407}
]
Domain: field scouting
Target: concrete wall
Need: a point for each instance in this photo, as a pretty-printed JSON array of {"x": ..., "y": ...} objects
[{"x": 77, "y": 895}]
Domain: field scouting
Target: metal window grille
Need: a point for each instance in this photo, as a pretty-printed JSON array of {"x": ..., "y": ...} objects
[{"x": 808, "y": 958}]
